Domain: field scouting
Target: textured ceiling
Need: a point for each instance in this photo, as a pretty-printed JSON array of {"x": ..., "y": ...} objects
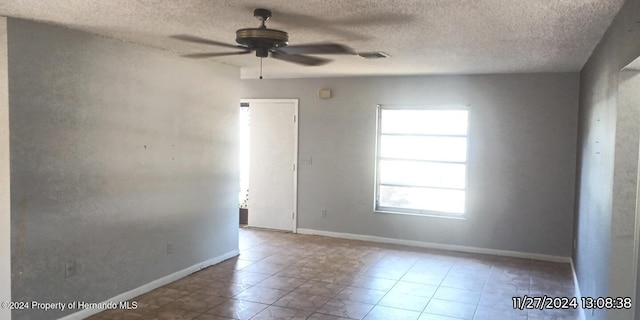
[{"x": 420, "y": 36}]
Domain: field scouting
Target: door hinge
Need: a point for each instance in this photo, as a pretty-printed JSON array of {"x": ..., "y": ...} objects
[
  {"x": 293, "y": 215},
  {"x": 294, "y": 167},
  {"x": 294, "y": 118}
]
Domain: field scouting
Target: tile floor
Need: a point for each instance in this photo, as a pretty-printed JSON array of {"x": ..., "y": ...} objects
[{"x": 289, "y": 276}]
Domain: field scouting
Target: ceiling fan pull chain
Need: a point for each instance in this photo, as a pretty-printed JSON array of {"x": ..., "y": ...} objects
[{"x": 260, "y": 68}]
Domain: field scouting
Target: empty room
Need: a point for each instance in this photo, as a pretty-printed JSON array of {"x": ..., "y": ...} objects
[{"x": 201, "y": 159}]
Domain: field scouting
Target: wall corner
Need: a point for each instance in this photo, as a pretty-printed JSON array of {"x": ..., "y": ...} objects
[{"x": 5, "y": 198}]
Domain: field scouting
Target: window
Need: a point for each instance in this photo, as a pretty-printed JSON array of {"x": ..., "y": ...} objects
[{"x": 421, "y": 160}]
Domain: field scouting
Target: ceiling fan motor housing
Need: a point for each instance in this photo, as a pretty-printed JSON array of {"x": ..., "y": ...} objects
[{"x": 262, "y": 39}]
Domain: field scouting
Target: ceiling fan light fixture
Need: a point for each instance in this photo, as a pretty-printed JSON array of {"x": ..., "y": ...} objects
[{"x": 373, "y": 55}]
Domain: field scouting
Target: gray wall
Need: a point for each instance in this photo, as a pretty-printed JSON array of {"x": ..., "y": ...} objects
[
  {"x": 5, "y": 197},
  {"x": 601, "y": 220},
  {"x": 116, "y": 150},
  {"x": 625, "y": 182},
  {"x": 522, "y": 146}
]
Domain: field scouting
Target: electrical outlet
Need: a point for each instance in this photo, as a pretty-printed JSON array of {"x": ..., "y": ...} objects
[
  {"x": 169, "y": 248},
  {"x": 70, "y": 268},
  {"x": 324, "y": 213}
]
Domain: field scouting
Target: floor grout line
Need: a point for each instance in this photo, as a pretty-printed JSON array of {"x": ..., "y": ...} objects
[{"x": 370, "y": 271}]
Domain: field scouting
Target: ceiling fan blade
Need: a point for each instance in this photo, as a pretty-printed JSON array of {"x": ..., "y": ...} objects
[
  {"x": 214, "y": 54},
  {"x": 317, "y": 48},
  {"x": 300, "y": 59},
  {"x": 188, "y": 38}
]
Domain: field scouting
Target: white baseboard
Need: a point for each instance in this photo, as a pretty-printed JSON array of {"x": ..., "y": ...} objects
[
  {"x": 440, "y": 246},
  {"x": 153, "y": 285}
]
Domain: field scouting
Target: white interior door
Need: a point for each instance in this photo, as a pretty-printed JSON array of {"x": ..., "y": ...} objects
[{"x": 273, "y": 154}]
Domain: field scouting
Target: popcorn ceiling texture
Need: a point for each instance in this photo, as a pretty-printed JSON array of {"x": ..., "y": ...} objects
[{"x": 421, "y": 36}]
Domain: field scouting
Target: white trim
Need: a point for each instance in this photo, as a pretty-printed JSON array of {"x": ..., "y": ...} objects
[
  {"x": 5, "y": 176},
  {"x": 295, "y": 166},
  {"x": 577, "y": 292},
  {"x": 153, "y": 285},
  {"x": 249, "y": 101},
  {"x": 440, "y": 246},
  {"x": 296, "y": 132}
]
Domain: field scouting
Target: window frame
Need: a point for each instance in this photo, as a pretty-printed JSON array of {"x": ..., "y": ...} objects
[{"x": 419, "y": 212}]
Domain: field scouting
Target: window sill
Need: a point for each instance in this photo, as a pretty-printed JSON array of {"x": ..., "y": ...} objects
[{"x": 429, "y": 215}]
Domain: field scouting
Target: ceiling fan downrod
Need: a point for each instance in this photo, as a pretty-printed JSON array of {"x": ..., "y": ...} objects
[{"x": 263, "y": 15}]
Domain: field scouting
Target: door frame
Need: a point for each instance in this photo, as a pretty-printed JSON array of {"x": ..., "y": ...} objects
[
  {"x": 294, "y": 228},
  {"x": 625, "y": 210}
]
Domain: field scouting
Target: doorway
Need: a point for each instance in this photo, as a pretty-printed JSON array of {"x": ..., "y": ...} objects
[{"x": 268, "y": 162}]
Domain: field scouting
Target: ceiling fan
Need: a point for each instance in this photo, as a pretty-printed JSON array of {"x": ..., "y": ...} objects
[{"x": 263, "y": 41}]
